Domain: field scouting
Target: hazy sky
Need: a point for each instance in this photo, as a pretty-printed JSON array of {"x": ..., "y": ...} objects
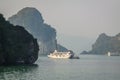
[{"x": 78, "y": 22}]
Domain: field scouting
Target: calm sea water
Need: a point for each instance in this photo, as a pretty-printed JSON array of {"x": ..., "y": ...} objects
[{"x": 88, "y": 67}]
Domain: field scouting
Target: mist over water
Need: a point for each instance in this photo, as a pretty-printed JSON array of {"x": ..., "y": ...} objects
[{"x": 88, "y": 67}]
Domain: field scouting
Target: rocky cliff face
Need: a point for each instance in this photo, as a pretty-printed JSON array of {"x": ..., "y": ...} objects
[
  {"x": 61, "y": 48},
  {"x": 105, "y": 44},
  {"x": 16, "y": 44},
  {"x": 33, "y": 22}
]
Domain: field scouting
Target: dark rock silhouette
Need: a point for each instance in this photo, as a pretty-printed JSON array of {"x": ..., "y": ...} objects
[{"x": 16, "y": 44}]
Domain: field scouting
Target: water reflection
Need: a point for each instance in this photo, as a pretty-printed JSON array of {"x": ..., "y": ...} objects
[
  {"x": 87, "y": 68},
  {"x": 18, "y": 72}
]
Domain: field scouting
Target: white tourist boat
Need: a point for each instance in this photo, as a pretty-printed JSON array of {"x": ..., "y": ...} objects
[{"x": 57, "y": 54}]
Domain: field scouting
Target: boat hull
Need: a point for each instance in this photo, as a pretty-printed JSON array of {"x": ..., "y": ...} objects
[
  {"x": 63, "y": 55},
  {"x": 66, "y": 57}
]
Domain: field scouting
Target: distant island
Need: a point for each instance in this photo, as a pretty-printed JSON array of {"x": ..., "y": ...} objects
[
  {"x": 105, "y": 44},
  {"x": 17, "y": 46},
  {"x": 31, "y": 19}
]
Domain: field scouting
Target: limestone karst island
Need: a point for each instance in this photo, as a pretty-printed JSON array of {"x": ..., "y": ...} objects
[{"x": 25, "y": 36}]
